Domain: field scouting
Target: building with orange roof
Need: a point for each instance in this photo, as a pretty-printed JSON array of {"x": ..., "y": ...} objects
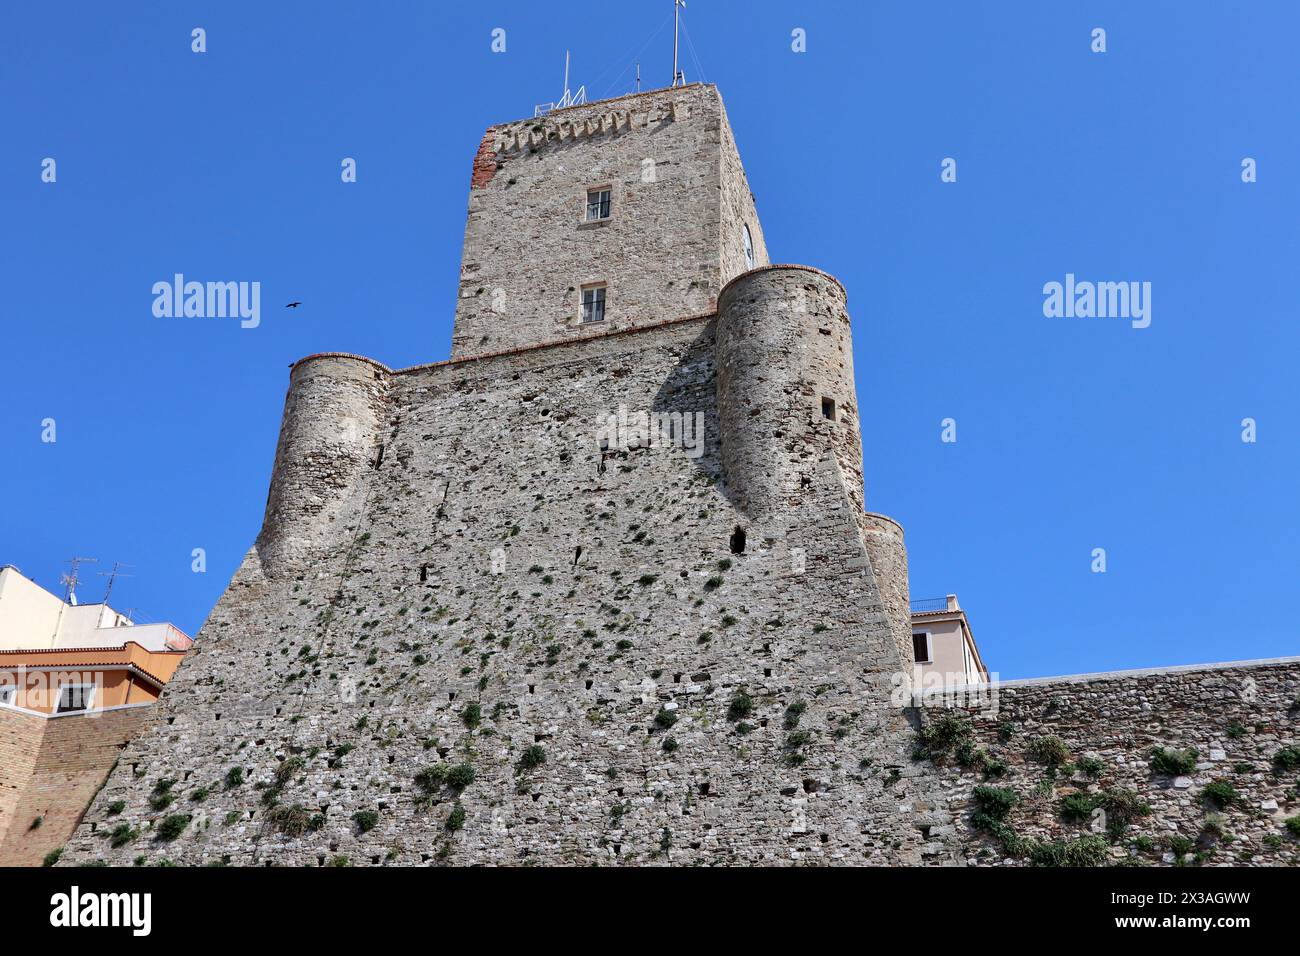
[{"x": 76, "y": 682}]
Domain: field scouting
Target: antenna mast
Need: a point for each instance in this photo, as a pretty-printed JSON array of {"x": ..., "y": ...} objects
[
  {"x": 71, "y": 579},
  {"x": 679, "y": 78},
  {"x": 568, "y": 99},
  {"x": 113, "y": 576}
]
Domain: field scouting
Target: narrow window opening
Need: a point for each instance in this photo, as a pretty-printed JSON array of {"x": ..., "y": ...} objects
[
  {"x": 379, "y": 459},
  {"x": 597, "y": 204},
  {"x": 749, "y": 248},
  {"x": 424, "y": 573},
  {"x": 593, "y": 304},
  {"x": 738, "y": 540},
  {"x": 921, "y": 646},
  {"x": 577, "y": 553},
  {"x": 828, "y": 408},
  {"x": 74, "y": 698}
]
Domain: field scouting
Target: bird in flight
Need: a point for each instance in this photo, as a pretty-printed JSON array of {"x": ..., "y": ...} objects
[{"x": 293, "y": 305}]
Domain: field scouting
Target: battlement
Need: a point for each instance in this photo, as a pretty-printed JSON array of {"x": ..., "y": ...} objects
[{"x": 634, "y": 112}]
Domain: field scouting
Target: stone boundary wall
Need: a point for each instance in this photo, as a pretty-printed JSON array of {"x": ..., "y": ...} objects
[{"x": 1189, "y": 765}]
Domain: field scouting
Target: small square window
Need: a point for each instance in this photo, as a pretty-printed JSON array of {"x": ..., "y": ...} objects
[
  {"x": 921, "y": 646},
  {"x": 597, "y": 204},
  {"x": 828, "y": 408},
  {"x": 74, "y": 698},
  {"x": 593, "y": 304}
]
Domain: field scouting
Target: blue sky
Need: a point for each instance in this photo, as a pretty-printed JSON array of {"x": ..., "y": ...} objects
[{"x": 1072, "y": 434}]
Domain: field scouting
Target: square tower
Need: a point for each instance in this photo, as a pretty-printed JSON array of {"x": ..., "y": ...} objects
[{"x": 603, "y": 217}]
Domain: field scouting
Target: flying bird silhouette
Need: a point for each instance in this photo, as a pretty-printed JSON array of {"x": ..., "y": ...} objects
[{"x": 293, "y": 305}]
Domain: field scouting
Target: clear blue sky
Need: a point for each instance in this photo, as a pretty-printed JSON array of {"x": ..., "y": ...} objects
[{"x": 1073, "y": 434}]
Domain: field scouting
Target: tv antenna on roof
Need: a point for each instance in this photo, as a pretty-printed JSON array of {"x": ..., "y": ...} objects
[
  {"x": 71, "y": 579},
  {"x": 568, "y": 99},
  {"x": 113, "y": 576},
  {"x": 679, "y": 77}
]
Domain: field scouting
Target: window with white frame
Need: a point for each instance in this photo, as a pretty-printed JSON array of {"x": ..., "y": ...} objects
[
  {"x": 749, "y": 249},
  {"x": 597, "y": 204},
  {"x": 75, "y": 698},
  {"x": 921, "y": 647},
  {"x": 593, "y": 304},
  {"x": 8, "y": 695}
]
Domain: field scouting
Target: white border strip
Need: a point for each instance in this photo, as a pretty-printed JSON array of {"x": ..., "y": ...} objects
[{"x": 76, "y": 713}]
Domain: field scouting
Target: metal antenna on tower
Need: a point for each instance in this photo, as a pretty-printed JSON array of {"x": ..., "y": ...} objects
[
  {"x": 113, "y": 576},
  {"x": 638, "y": 76},
  {"x": 679, "y": 78},
  {"x": 568, "y": 99}
]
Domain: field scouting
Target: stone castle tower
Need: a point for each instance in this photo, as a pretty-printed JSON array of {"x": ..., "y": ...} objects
[
  {"x": 601, "y": 589},
  {"x": 650, "y": 644}
]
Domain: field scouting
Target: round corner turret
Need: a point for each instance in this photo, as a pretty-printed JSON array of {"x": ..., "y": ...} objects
[
  {"x": 786, "y": 394},
  {"x": 330, "y": 434},
  {"x": 883, "y": 537}
]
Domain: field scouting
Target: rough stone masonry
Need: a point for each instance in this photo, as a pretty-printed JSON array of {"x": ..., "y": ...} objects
[{"x": 477, "y": 627}]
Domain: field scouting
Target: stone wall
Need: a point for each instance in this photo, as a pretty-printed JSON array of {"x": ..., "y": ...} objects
[
  {"x": 738, "y": 211},
  {"x": 1079, "y": 756},
  {"x": 573, "y": 623},
  {"x": 50, "y": 768},
  {"x": 329, "y": 435},
  {"x": 784, "y": 348}
]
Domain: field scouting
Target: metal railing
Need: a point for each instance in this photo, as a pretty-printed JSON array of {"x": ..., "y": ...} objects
[{"x": 921, "y": 605}]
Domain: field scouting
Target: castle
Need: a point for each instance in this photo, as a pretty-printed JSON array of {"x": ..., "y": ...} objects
[{"x": 482, "y": 626}]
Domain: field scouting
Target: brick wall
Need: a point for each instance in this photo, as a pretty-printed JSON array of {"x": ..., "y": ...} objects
[{"x": 49, "y": 769}]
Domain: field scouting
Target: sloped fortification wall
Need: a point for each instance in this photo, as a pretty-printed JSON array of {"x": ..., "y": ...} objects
[
  {"x": 494, "y": 591},
  {"x": 1110, "y": 799}
]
